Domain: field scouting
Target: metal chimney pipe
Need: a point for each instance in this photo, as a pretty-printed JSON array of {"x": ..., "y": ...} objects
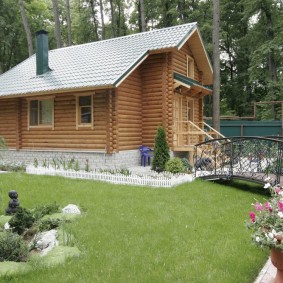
[{"x": 42, "y": 52}]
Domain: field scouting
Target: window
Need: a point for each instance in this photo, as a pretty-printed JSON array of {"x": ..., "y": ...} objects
[
  {"x": 41, "y": 112},
  {"x": 84, "y": 110},
  {"x": 190, "y": 67}
]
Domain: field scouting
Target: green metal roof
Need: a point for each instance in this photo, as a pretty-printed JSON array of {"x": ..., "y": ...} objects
[
  {"x": 190, "y": 82},
  {"x": 96, "y": 64}
]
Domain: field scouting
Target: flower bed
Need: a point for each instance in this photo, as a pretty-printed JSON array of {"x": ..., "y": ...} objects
[{"x": 166, "y": 180}]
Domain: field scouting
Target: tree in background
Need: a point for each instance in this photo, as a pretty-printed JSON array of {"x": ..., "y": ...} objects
[
  {"x": 216, "y": 67},
  {"x": 26, "y": 26},
  {"x": 161, "y": 151},
  {"x": 69, "y": 22},
  {"x": 57, "y": 23}
]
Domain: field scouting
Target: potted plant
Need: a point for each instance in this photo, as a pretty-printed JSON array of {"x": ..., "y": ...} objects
[{"x": 266, "y": 223}]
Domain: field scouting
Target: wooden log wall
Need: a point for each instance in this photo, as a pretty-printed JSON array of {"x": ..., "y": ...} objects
[
  {"x": 9, "y": 121},
  {"x": 180, "y": 62},
  {"x": 65, "y": 135},
  {"x": 129, "y": 112},
  {"x": 154, "y": 101}
]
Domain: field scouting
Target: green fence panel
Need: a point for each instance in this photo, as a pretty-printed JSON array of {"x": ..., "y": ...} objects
[{"x": 230, "y": 128}]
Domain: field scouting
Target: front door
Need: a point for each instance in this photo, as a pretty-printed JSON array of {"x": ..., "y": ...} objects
[{"x": 183, "y": 113}]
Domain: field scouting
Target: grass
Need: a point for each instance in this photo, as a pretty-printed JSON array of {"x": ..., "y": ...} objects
[{"x": 192, "y": 233}]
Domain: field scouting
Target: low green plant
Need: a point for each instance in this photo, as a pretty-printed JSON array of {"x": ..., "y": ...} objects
[
  {"x": 45, "y": 209},
  {"x": 87, "y": 168},
  {"x": 49, "y": 224},
  {"x": 45, "y": 163},
  {"x": 22, "y": 220},
  {"x": 76, "y": 166},
  {"x": 188, "y": 167},
  {"x": 35, "y": 163},
  {"x": 12, "y": 247},
  {"x": 175, "y": 165},
  {"x": 70, "y": 163}
]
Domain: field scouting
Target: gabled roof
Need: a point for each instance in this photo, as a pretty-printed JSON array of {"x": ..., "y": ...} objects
[{"x": 98, "y": 64}]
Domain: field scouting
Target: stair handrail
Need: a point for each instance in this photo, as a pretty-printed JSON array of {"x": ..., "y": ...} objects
[
  {"x": 218, "y": 133},
  {"x": 201, "y": 130}
]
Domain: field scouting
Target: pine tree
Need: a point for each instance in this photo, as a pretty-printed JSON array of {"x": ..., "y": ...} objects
[{"x": 161, "y": 151}]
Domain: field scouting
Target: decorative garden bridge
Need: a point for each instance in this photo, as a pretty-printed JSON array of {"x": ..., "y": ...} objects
[{"x": 256, "y": 159}]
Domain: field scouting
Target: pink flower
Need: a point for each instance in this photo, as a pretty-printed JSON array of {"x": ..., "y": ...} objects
[
  {"x": 252, "y": 216},
  {"x": 280, "y": 205},
  {"x": 277, "y": 190},
  {"x": 258, "y": 206},
  {"x": 268, "y": 206}
]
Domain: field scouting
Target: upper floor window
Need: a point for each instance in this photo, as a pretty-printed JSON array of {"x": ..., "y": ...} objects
[
  {"x": 190, "y": 67},
  {"x": 41, "y": 112},
  {"x": 84, "y": 110}
]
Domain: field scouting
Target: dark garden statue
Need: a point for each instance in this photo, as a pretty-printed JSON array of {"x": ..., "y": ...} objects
[{"x": 13, "y": 203}]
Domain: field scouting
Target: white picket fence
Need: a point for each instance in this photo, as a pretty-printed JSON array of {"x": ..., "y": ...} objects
[{"x": 159, "y": 180}]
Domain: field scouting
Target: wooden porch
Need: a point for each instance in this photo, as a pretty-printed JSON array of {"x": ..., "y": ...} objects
[{"x": 187, "y": 134}]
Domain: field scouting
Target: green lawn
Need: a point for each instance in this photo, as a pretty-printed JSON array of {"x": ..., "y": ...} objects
[{"x": 192, "y": 233}]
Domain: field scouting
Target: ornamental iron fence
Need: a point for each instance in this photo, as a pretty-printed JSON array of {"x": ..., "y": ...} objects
[{"x": 257, "y": 159}]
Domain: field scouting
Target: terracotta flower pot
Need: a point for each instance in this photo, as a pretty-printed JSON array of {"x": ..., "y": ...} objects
[{"x": 277, "y": 261}]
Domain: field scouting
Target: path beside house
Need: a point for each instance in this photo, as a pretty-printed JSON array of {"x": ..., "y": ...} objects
[{"x": 267, "y": 273}]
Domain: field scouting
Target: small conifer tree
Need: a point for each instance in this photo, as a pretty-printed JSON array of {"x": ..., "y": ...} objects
[{"x": 161, "y": 151}]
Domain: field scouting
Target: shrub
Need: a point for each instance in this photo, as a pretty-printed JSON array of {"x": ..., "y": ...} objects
[
  {"x": 188, "y": 167},
  {"x": 21, "y": 221},
  {"x": 161, "y": 151},
  {"x": 174, "y": 165},
  {"x": 43, "y": 210},
  {"x": 49, "y": 224},
  {"x": 12, "y": 247}
]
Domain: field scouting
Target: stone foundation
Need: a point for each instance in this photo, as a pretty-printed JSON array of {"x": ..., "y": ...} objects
[{"x": 95, "y": 159}]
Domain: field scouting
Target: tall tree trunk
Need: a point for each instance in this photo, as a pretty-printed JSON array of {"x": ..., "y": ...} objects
[
  {"x": 216, "y": 67},
  {"x": 26, "y": 26},
  {"x": 95, "y": 23},
  {"x": 57, "y": 23},
  {"x": 69, "y": 23},
  {"x": 112, "y": 19},
  {"x": 102, "y": 20},
  {"x": 142, "y": 16},
  {"x": 272, "y": 68}
]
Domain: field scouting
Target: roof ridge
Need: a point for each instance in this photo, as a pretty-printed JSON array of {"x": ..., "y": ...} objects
[{"x": 126, "y": 36}]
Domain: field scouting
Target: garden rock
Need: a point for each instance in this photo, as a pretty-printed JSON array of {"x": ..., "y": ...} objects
[
  {"x": 71, "y": 209},
  {"x": 7, "y": 226},
  {"x": 46, "y": 241}
]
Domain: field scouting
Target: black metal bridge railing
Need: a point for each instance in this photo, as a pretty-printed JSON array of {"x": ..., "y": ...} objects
[{"x": 256, "y": 159}]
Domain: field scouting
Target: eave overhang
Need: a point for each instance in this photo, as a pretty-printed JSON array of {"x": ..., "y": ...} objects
[{"x": 181, "y": 80}]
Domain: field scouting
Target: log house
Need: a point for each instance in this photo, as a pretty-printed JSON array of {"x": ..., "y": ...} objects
[{"x": 108, "y": 97}]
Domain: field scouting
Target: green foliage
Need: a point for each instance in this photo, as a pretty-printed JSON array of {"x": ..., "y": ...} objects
[
  {"x": 175, "y": 165},
  {"x": 49, "y": 224},
  {"x": 76, "y": 166},
  {"x": 12, "y": 167},
  {"x": 161, "y": 151},
  {"x": 22, "y": 220},
  {"x": 12, "y": 247},
  {"x": 188, "y": 167},
  {"x": 46, "y": 209}
]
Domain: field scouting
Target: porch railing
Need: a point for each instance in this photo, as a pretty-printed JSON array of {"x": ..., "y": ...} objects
[{"x": 188, "y": 133}]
